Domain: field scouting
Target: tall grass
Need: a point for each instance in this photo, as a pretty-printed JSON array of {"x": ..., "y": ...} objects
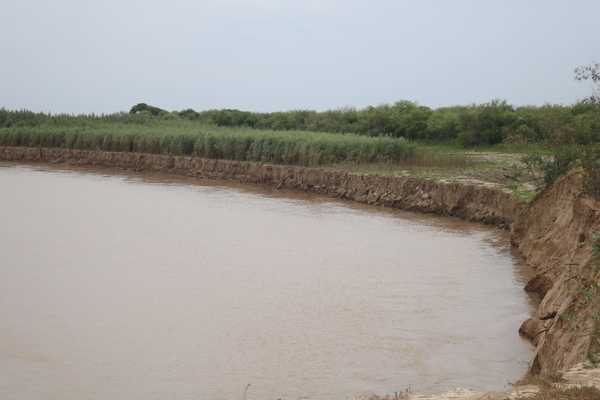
[{"x": 183, "y": 137}]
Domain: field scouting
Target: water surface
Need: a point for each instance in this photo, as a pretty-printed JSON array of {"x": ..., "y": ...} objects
[{"x": 137, "y": 287}]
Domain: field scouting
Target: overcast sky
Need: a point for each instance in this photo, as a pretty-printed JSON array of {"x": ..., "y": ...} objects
[{"x": 264, "y": 55}]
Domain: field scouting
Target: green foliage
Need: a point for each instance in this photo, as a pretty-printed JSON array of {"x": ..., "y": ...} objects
[
  {"x": 189, "y": 114},
  {"x": 564, "y": 159},
  {"x": 443, "y": 124},
  {"x": 590, "y": 162},
  {"x": 596, "y": 244},
  {"x": 523, "y": 134},
  {"x": 173, "y": 135},
  {"x": 486, "y": 124},
  {"x": 555, "y": 166},
  {"x": 476, "y": 125},
  {"x": 586, "y": 128},
  {"x": 145, "y": 108}
]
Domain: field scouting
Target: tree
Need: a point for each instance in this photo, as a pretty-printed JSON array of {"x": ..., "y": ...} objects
[
  {"x": 591, "y": 73},
  {"x": 143, "y": 107}
]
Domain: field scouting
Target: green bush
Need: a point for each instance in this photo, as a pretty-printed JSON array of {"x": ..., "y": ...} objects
[
  {"x": 586, "y": 128},
  {"x": 487, "y": 124},
  {"x": 475, "y": 125},
  {"x": 443, "y": 125},
  {"x": 596, "y": 244},
  {"x": 590, "y": 162},
  {"x": 555, "y": 166}
]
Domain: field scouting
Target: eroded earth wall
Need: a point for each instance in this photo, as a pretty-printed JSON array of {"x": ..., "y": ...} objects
[{"x": 469, "y": 202}]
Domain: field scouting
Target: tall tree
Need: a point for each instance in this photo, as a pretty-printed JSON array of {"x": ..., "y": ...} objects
[{"x": 591, "y": 73}]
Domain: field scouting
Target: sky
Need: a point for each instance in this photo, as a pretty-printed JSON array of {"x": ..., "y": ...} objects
[{"x": 80, "y": 56}]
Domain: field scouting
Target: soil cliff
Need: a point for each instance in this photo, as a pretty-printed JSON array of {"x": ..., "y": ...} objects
[
  {"x": 470, "y": 202},
  {"x": 555, "y": 235}
]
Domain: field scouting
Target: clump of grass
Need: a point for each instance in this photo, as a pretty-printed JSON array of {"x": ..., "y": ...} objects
[
  {"x": 521, "y": 193},
  {"x": 596, "y": 244},
  {"x": 552, "y": 168},
  {"x": 180, "y": 137}
]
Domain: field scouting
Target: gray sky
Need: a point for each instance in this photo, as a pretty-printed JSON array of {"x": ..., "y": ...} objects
[{"x": 264, "y": 55}]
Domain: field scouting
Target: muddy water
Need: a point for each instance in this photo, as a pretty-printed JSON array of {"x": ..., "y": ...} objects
[{"x": 132, "y": 287}]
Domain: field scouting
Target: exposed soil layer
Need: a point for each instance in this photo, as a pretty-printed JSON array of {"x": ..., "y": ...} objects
[
  {"x": 554, "y": 232},
  {"x": 555, "y": 235},
  {"x": 470, "y": 202}
]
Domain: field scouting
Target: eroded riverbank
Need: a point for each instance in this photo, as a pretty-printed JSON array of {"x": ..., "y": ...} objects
[{"x": 470, "y": 202}]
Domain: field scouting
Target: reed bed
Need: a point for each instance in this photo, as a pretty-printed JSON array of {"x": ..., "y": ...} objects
[{"x": 182, "y": 137}]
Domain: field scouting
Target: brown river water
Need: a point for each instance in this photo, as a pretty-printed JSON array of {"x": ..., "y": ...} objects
[{"x": 117, "y": 286}]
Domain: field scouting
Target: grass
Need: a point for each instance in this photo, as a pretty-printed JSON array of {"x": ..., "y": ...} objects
[
  {"x": 181, "y": 137},
  {"x": 455, "y": 147},
  {"x": 169, "y": 134}
]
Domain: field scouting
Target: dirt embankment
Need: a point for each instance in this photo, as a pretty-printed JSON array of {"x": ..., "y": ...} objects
[
  {"x": 554, "y": 233},
  {"x": 469, "y": 202}
]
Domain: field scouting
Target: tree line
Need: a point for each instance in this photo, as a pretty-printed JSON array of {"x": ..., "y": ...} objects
[{"x": 474, "y": 125}]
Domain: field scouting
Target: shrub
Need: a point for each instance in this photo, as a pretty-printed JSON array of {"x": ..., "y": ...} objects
[
  {"x": 564, "y": 159},
  {"x": 596, "y": 244},
  {"x": 552, "y": 167},
  {"x": 521, "y": 135},
  {"x": 443, "y": 125},
  {"x": 590, "y": 162},
  {"x": 586, "y": 127},
  {"x": 487, "y": 124}
]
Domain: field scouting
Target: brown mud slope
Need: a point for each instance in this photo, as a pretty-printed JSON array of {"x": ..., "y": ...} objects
[
  {"x": 469, "y": 202},
  {"x": 555, "y": 236},
  {"x": 554, "y": 233}
]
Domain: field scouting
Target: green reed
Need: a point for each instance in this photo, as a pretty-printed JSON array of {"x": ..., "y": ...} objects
[{"x": 183, "y": 137}]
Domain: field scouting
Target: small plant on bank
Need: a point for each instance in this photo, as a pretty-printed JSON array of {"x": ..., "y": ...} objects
[
  {"x": 548, "y": 169},
  {"x": 590, "y": 162},
  {"x": 596, "y": 244}
]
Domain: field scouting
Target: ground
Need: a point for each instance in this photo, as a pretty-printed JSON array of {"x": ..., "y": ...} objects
[{"x": 501, "y": 168}]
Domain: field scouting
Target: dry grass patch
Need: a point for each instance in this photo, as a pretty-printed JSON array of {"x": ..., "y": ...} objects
[{"x": 551, "y": 393}]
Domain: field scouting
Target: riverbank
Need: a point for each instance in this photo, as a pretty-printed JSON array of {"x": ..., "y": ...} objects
[
  {"x": 554, "y": 232},
  {"x": 466, "y": 201}
]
